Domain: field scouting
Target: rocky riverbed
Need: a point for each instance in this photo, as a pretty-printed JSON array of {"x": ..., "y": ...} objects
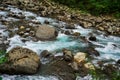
[
  {"x": 44, "y": 41},
  {"x": 46, "y": 8}
]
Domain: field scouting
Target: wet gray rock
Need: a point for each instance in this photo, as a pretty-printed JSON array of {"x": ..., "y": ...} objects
[
  {"x": 20, "y": 61},
  {"x": 46, "y": 32},
  {"x": 92, "y": 38},
  {"x": 67, "y": 54},
  {"x": 67, "y": 32},
  {"x": 45, "y": 54},
  {"x": 69, "y": 26},
  {"x": 93, "y": 52},
  {"x": 46, "y": 22},
  {"x": 60, "y": 68}
]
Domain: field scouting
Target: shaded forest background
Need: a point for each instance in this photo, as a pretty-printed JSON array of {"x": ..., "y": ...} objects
[{"x": 95, "y": 7}]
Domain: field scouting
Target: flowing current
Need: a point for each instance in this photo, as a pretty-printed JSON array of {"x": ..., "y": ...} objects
[{"x": 107, "y": 46}]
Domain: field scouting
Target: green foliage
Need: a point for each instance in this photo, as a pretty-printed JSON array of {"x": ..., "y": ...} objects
[
  {"x": 2, "y": 57},
  {"x": 117, "y": 14},
  {"x": 97, "y": 75},
  {"x": 2, "y": 52},
  {"x": 116, "y": 75},
  {"x": 95, "y": 7},
  {"x": 0, "y": 78}
]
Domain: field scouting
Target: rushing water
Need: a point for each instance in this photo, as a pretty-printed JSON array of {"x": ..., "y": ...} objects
[{"x": 107, "y": 46}]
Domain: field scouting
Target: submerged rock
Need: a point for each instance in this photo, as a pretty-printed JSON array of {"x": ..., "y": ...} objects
[
  {"x": 20, "y": 61},
  {"x": 46, "y": 32}
]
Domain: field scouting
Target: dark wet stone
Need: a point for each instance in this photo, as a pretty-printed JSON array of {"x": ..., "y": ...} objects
[
  {"x": 67, "y": 32},
  {"x": 118, "y": 62},
  {"x": 46, "y": 22},
  {"x": 92, "y": 51},
  {"x": 45, "y": 54},
  {"x": 92, "y": 38}
]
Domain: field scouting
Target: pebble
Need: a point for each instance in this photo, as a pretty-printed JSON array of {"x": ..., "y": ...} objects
[{"x": 22, "y": 27}]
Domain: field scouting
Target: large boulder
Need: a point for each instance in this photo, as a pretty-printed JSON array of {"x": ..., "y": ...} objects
[
  {"x": 46, "y": 32},
  {"x": 20, "y": 61}
]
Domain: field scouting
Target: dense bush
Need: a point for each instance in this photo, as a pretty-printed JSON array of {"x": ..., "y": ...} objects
[{"x": 94, "y": 6}]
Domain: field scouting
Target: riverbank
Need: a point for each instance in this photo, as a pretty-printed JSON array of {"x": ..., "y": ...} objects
[{"x": 47, "y": 8}]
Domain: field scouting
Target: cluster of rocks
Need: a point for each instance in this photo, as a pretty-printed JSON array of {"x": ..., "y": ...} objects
[
  {"x": 51, "y": 9},
  {"x": 26, "y": 31},
  {"x": 25, "y": 61},
  {"x": 32, "y": 30},
  {"x": 18, "y": 16},
  {"x": 66, "y": 65}
]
